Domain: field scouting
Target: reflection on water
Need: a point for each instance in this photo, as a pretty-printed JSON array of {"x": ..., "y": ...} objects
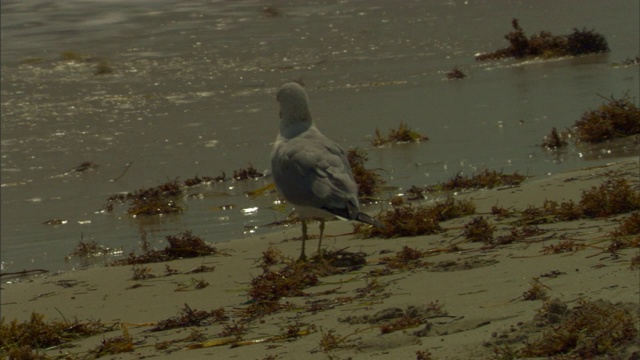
[{"x": 192, "y": 94}]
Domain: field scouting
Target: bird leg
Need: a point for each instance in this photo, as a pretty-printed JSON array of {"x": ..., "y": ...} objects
[
  {"x": 303, "y": 257},
  {"x": 320, "y": 240}
]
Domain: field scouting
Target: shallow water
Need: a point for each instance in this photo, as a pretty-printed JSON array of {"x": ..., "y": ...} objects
[{"x": 192, "y": 93}]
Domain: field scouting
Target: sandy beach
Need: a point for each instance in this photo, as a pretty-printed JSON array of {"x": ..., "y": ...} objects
[{"x": 464, "y": 301}]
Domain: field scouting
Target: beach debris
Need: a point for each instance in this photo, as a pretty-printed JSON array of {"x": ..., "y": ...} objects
[
  {"x": 271, "y": 12},
  {"x": 151, "y": 201},
  {"x": 405, "y": 219},
  {"x": 55, "y": 222},
  {"x": 455, "y": 74},
  {"x": 547, "y": 45},
  {"x": 161, "y": 199},
  {"x": 192, "y": 317},
  {"x": 392, "y": 319},
  {"x": 423, "y": 355},
  {"x": 330, "y": 341},
  {"x": 479, "y": 230},
  {"x": 124, "y": 171},
  {"x": 629, "y": 61},
  {"x": 141, "y": 272},
  {"x": 555, "y": 140},
  {"x": 369, "y": 181},
  {"x": 626, "y": 235},
  {"x": 89, "y": 249},
  {"x": 613, "y": 119},
  {"x": 23, "y": 340},
  {"x": 591, "y": 329},
  {"x": 192, "y": 284},
  {"x": 183, "y": 245},
  {"x": 196, "y": 180},
  {"x": 103, "y": 67},
  {"x": 537, "y": 291},
  {"x": 407, "y": 258},
  {"x": 247, "y": 173},
  {"x": 485, "y": 179},
  {"x": 563, "y": 247},
  {"x": 87, "y": 165},
  {"x": 403, "y": 135},
  {"x": 115, "y": 345}
]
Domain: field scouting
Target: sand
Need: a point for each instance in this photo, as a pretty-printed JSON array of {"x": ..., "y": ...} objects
[{"x": 473, "y": 296}]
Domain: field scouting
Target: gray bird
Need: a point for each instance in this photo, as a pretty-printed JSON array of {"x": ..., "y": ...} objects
[{"x": 309, "y": 170}]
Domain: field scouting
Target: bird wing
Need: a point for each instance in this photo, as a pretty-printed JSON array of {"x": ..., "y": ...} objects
[{"x": 311, "y": 170}]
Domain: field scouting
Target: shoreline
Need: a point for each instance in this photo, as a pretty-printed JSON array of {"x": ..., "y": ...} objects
[{"x": 472, "y": 297}]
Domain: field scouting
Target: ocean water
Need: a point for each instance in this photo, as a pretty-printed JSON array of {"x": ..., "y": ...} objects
[{"x": 192, "y": 92}]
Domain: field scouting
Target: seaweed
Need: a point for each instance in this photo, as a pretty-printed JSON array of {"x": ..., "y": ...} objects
[
  {"x": 247, "y": 173},
  {"x": 19, "y": 340},
  {"x": 86, "y": 250},
  {"x": 614, "y": 119},
  {"x": 271, "y": 11},
  {"x": 183, "y": 245},
  {"x": 192, "y": 317},
  {"x": 630, "y": 61},
  {"x": 423, "y": 355},
  {"x": 485, "y": 179},
  {"x": 115, "y": 345},
  {"x": 329, "y": 341},
  {"x": 402, "y": 220},
  {"x": 547, "y": 45},
  {"x": 592, "y": 328},
  {"x": 479, "y": 230},
  {"x": 368, "y": 180},
  {"x": 407, "y": 258},
  {"x": 196, "y": 180},
  {"x": 141, "y": 272},
  {"x": 103, "y": 68},
  {"x": 237, "y": 329},
  {"x": 584, "y": 41},
  {"x": 290, "y": 281},
  {"x": 403, "y": 135},
  {"x": 562, "y": 247},
  {"x": 152, "y": 201},
  {"x": 613, "y": 196},
  {"x": 537, "y": 291},
  {"x": 407, "y": 220},
  {"x": 455, "y": 74},
  {"x": 626, "y": 235},
  {"x": 555, "y": 140}
]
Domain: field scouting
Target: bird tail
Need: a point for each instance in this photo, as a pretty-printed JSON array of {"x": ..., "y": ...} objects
[{"x": 362, "y": 217}]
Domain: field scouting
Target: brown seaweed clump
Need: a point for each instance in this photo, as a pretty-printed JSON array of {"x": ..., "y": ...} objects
[
  {"x": 627, "y": 234},
  {"x": 368, "y": 181},
  {"x": 614, "y": 196},
  {"x": 192, "y": 317},
  {"x": 616, "y": 118},
  {"x": 487, "y": 179},
  {"x": 403, "y": 135},
  {"x": 247, "y": 173},
  {"x": 22, "y": 340},
  {"x": 555, "y": 140},
  {"x": 152, "y": 201},
  {"x": 404, "y": 219},
  {"x": 590, "y": 329},
  {"x": 184, "y": 245},
  {"x": 547, "y": 45},
  {"x": 455, "y": 74},
  {"x": 479, "y": 230}
]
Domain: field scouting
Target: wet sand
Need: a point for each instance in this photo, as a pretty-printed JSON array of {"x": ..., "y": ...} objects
[{"x": 479, "y": 290}]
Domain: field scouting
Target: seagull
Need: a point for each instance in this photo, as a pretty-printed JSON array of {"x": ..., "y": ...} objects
[{"x": 311, "y": 171}]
